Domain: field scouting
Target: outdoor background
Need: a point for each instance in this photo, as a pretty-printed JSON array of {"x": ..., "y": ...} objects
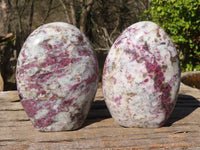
[{"x": 102, "y": 21}]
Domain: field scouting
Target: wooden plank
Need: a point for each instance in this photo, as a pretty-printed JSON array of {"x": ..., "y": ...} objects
[
  {"x": 105, "y": 143},
  {"x": 31, "y": 135},
  {"x": 186, "y": 90},
  {"x": 9, "y": 96},
  {"x": 7, "y": 106},
  {"x": 100, "y": 131},
  {"x": 1, "y": 83},
  {"x": 13, "y": 116},
  {"x": 110, "y": 131}
]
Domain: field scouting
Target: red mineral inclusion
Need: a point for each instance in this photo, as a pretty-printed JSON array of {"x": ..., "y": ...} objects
[{"x": 57, "y": 77}]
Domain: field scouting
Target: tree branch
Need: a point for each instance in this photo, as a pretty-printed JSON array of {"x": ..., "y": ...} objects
[
  {"x": 107, "y": 37},
  {"x": 73, "y": 13},
  {"x": 31, "y": 15},
  {"x": 48, "y": 11},
  {"x": 5, "y": 37},
  {"x": 66, "y": 12},
  {"x": 86, "y": 7}
]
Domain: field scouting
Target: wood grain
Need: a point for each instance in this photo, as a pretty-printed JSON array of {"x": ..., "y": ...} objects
[
  {"x": 9, "y": 96},
  {"x": 1, "y": 83},
  {"x": 182, "y": 130}
]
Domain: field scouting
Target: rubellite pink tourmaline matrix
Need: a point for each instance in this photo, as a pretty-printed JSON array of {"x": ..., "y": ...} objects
[
  {"x": 141, "y": 76},
  {"x": 57, "y": 77}
]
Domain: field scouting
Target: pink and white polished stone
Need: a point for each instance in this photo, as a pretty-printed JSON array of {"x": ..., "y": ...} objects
[
  {"x": 141, "y": 76},
  {"x": 57, "y": 77}
]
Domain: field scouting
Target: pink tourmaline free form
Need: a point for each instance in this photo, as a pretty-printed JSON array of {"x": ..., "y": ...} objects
[
  {"x": 57, "y": 77},
  {"x": 141, "y": 76}
]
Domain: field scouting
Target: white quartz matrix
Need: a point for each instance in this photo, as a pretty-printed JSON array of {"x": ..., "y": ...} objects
[
  {"x": 141, "y": 76},
  {"x": 57, "y": 77}
]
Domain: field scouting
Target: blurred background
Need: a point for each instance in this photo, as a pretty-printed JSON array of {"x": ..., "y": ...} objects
[{"x": 102, "y": 21}]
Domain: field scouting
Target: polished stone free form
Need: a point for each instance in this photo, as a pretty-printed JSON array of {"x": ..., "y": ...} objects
[
  {"x": 57, "y": 77},
  {"x": 141, "y": 76}
]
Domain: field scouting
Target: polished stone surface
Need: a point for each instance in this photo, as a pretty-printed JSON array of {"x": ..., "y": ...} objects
[
  {"x": 141, "y": 76},
  {"x": 57, "y": 77}
]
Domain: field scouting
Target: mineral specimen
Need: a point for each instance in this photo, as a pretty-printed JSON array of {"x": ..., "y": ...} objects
[
  {"x": 141, "y": 76},
  {"x": 57, "y": 77}
]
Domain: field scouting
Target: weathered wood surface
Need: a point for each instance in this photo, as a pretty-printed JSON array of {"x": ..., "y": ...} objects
[
  {"x": 1, "y": 83},
  {"x": 182, "y": 131}
]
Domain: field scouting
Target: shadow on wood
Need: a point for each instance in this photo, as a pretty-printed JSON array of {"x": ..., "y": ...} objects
[
  {"x": 97, "y": 112},
  {"x": 185, "y": 105}
]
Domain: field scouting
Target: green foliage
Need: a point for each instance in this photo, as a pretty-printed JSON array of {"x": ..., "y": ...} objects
[{"x": 181, "y": 20}]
